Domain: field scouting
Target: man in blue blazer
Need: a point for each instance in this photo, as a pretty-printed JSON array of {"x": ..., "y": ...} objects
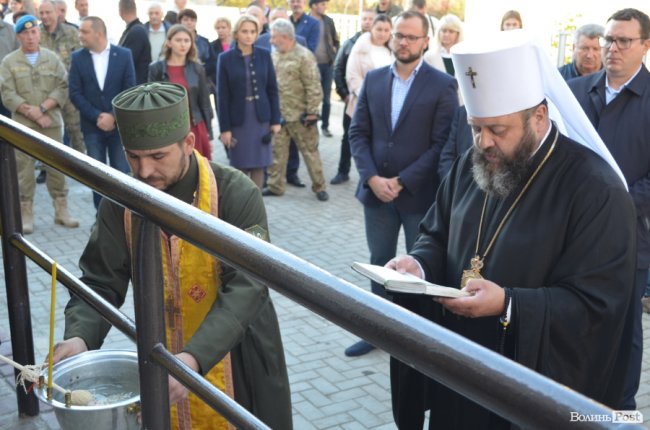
[
  {"x": 617, "y": 101},
  {"x": 305, "y": 25},
  {"x": 397, "y": 133},
  {"x": 98, "y": 72}
]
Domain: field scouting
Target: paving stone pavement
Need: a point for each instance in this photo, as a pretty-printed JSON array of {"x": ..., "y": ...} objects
[{"x": 329, "y": 390}]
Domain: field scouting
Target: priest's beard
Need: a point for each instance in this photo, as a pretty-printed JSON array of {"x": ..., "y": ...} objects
[{"x": 501, "y": 177}]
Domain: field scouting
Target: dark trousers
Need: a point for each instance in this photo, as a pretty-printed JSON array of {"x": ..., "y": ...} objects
[
  {"x": 633, "y": 374},
  {"x": 346, "y": 155},
  {"x": 293, "y": 163},
  {"x": 383, "y": 224},
  {"x": 326, "y": 76},
  {"x": 107, "y": 148}
]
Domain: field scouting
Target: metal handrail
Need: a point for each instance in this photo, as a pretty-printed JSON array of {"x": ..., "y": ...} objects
[{"x": 499, "y": 384}]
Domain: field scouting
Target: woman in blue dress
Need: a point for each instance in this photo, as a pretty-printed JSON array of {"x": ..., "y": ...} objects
[{"x": 247, "y": 101}]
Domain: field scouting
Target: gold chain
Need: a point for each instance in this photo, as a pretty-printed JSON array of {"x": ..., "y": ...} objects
[{"x": 512, "y": 207}]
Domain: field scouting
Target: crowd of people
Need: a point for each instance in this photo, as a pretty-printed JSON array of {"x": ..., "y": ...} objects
[{"x": 527, "y": 186}]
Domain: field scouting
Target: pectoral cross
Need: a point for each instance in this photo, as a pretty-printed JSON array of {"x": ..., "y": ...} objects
[
  {"x": 473, "y": 273},
  {"x": 471, "y": 73}
]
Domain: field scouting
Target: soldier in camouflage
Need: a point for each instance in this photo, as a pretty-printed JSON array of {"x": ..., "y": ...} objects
[
  {"x": 300, "y": 99},
  {"x": 63, "y": 39},
  {"x": 33, "y": 84}
]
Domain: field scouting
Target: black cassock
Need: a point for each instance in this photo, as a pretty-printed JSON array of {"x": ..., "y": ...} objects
[{"x": 568, "y": 251}]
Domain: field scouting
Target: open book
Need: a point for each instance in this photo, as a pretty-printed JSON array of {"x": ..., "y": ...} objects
[{"x": 405, "y": 282}]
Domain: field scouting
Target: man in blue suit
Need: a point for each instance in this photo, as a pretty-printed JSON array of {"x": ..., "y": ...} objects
[
  {"x": 617, "y": 101},
  {"x": 305, "y": 25},
  {"x": 398, "y": 130},
  {"x": 98, "y": 72}
]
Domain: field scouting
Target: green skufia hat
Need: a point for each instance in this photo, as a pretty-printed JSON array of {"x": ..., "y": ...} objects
[{"x": 152, "y": 115}]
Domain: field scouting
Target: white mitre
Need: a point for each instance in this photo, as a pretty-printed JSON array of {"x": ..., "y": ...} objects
[{"x": 505, "y": 72}]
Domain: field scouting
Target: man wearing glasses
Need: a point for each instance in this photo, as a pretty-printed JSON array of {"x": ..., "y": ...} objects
[
  {"x": 398, "y": 130},
  {"x": 617, "y": 102}
]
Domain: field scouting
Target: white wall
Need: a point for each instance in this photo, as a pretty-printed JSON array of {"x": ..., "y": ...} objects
[{"x": 545, "y": 18}]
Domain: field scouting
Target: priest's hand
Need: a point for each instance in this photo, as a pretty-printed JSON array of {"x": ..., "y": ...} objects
[
  {"x": 178, "y": 391},
  {"x": 406, "y": 264},
  {"x": 68, "y": 348},
  {"x": 486, "y": 300}
]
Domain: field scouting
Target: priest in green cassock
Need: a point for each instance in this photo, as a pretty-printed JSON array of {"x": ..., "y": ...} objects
[
  {"x": 539, "y": 227},
  {"x": 218, "y": 321}
]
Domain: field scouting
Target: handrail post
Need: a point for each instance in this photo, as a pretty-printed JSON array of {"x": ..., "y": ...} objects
[
  {"x": 20, "y": 321},
  {"x": 148, "y": 300}
]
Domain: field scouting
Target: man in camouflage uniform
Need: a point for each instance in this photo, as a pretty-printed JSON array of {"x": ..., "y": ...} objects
[
  {"x": 33, "y": 86},
  {"x": 300, "y": 98},
  {"x": 63, "y": 39}
]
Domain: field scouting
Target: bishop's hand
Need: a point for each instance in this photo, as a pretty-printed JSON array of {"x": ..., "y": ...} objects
[
  {"x": 487, "y": 299},
  {"x": 405, "y": 264}
]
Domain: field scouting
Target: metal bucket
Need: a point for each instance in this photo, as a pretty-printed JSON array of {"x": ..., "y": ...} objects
[{"x": 111, "y": 376}]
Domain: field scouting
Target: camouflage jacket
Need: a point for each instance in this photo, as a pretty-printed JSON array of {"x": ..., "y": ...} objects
[
  {"x": 298, "y": 82},
  {"x": 64, "y": 41},
  {"x": 23, "y": 83}
]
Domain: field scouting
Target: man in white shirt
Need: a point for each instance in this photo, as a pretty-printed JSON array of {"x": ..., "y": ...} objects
[{"x": 92, "y": 93}]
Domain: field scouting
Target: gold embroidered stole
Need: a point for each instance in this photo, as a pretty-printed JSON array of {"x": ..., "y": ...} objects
[{"x": 192, "y": 282}]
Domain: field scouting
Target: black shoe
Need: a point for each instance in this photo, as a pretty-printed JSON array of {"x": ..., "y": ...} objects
[
  {"x": 40, "y": 179},
  {"x": 326, "y": 132},
  {"x": 358, "y": 349},
  {"x": 322, "y": 196},
  {"x": 267, "y": 192},
  {"x": 296, "y": 182},
  {"x": 340, "y": 178}
]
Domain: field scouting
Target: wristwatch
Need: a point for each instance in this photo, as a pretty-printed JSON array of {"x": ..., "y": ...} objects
[{"x": 42, "y": 108}]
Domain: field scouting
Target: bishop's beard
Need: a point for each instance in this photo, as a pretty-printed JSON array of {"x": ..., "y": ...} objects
[{"x": 506, "y": 174}]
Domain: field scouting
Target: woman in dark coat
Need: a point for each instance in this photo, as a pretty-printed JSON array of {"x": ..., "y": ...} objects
[
  {"x": 224, "y": 36},
  {"x": 248, "y": 105},
  {"x": 181, "y": 66}
]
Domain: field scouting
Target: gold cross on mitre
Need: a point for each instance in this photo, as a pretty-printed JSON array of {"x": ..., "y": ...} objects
[{"x": 471, "y": 73}]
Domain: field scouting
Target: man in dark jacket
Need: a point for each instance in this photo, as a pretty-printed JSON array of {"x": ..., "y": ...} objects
[
  {"x": 135, "y": 38},
  {"x": 587, "y": 58},
  {"x": 617, "y": 101},
  {"x": 157, "y": 30},
  {"x": 398, "y": 130},
  {"x": 328, "y": 45},
  {"x": 340, "y": 65}
]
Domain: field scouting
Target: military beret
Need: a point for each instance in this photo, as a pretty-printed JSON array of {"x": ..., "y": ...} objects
[
  {"x": 313, "y": 2},
  {"x": 152, "y": 115},
  {"x": 25, "y": 22}
]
